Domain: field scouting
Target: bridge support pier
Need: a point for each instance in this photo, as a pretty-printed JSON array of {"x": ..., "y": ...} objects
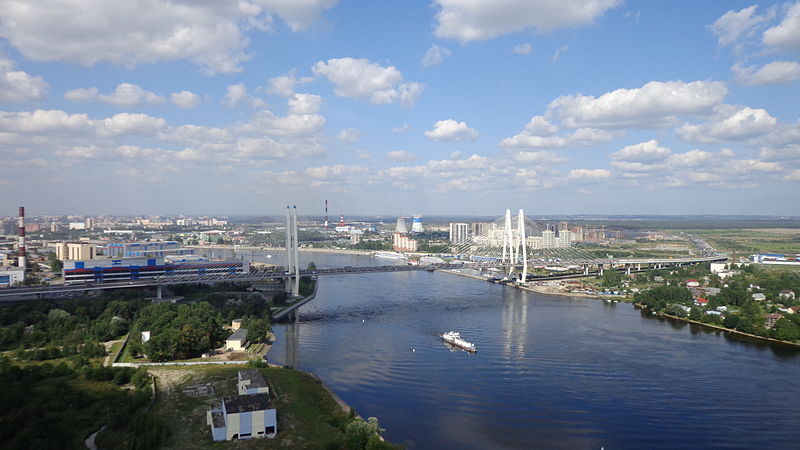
[
  {"x": 586, "y": 269},
  {"x": 600, "y": 269},
  {"x": 627, "y": 269},
  {"x": 159, "y": 292}
]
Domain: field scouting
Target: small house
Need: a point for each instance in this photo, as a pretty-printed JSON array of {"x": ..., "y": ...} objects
[
  {"x": 759, "y": 297},
  {"x": 769, "y": 322},
  {"x": 786, "y": 294},
  {"x": 692, "y": 283},
  {"x": 237, "y": 342},
  {"x": 250, "y": 381},
  {"x": 243, "y": 417}
]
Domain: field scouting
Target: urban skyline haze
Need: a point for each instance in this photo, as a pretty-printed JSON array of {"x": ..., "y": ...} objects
[{"x": 398, "y": 108}]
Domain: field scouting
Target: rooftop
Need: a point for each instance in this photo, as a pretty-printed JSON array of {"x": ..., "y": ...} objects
[
  {"x": 247, "y": 403},
  {"x": 238, "y": 335},
  {"x": 256, "y": 380}
]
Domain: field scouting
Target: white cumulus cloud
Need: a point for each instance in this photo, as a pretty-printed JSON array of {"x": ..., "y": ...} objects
[
  {"x": 185, "y": 99},
  {"x": 774, "y": 73},
  {"x": 450, "y": 130},
  {"x": 19, "y": 86},
  {"x": 654, "y": 104},
  {"x": 786, "y": 35},
  {"x": 471, "y": 20},
  {"x": 734, "y": 25},
  {"x": 305, "y": 104},
  {"x": 362, "y": 79},
  {"x": 125, "y": 94},
  {"x": 643, "y": 152},
  {"x": 349, "y": 135},
  {"x": 237, "y": 95},
  {"x": 434, "y": 56},
  {"x": 731, "y": 123},
  {"x": 589, "y": 174},
  {"x": 209, "y": 33}
]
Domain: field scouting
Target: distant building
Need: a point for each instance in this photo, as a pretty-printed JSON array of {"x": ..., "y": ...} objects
[
  {"x": 236, "y": 324},
  {"x": 786, "y": 294},
  {"x": 403, "y": 243},
  {"x": 237, "y": 342},
  {"x": 459, "y": 232},
  {"x": 77, "y": 226},
  {"x": 771, "y": 319},
  {"x": 122, "y": 269},
  {"x": 759, "y": 297},
  {"x": 145, "y": 249},
  {"x": 11, "y": 276},
  {"x": 692, "y": 283},
  {"x": 75, "y": 251},
  {"x": 548, "y": 239}
]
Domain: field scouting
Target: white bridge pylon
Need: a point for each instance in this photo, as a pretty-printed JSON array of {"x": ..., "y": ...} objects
[
  {"x": 515, "y": 250},
  {"x": 292, "y": 252}
]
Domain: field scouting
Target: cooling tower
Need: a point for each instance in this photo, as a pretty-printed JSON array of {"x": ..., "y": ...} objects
[
  {"x": 416, "y": 225},
  {"x": 401, "y": 225}
]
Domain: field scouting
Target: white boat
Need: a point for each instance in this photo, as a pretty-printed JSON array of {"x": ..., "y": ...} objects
[
  {"x": 454, "y": 338},
  {"x": 390, "y": 255}
]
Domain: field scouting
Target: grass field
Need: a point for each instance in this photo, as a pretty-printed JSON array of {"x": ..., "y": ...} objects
[
  {"x": 308, "y": 418},
  {"x": 773, "y": 240}
]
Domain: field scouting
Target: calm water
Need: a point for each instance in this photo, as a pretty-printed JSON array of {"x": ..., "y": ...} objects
[{"x": 550, "y": 372}]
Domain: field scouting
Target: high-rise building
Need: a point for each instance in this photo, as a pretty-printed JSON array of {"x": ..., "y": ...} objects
[
  {"x": 548, "y": 239},
  {"x": 480, "y": 228},
  {"x": 74, "y": 251},
  {"x": 402, "y": 243},
  {"x": 459, "y": 232}
]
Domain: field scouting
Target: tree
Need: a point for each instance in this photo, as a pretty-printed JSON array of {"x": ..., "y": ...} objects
[
  {"x": 359, "y": 432},
  {"x": 611, "y": 278},
  {"x": 731, "y": 321},
  {"x": 695, "y": 313},
  {"x": 786, "y": 330}
]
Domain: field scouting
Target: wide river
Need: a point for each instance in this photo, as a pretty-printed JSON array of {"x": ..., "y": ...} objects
[{"x": 550, "y": 371}]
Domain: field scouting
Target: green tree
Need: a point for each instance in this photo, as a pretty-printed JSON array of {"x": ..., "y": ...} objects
[{"x": 786, "y": 330}]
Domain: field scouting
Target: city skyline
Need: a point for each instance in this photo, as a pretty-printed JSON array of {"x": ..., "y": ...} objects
[{"x": 389, "y": 108}]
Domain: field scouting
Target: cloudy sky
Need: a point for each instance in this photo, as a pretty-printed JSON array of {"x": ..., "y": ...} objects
[{"x": 399, "y": 107}]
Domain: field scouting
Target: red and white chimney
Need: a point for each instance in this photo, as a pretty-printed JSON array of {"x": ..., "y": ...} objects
[{"x": 21, "y": 262}]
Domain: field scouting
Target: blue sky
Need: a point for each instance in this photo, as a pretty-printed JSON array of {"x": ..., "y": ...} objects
[{"x": 387, "y": 107}]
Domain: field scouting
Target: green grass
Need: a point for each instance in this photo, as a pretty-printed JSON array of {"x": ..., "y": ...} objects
[{"x": 308, "y": 418}]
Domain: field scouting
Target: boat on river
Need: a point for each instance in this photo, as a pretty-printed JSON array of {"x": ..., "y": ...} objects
[{"x": 454, "y": 338}]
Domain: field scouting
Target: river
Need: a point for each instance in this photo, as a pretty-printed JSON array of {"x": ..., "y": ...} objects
[{"x": 550, "y": 371}]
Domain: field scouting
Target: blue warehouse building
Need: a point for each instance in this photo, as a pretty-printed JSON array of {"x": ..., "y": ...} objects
[{"x": 125, "y": 269}]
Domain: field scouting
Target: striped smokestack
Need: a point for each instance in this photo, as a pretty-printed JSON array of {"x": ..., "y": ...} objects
[{"x": 21, "y": 262}]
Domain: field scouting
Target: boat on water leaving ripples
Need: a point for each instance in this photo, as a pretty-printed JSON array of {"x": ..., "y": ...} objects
[{"x": 454, "y": 338}]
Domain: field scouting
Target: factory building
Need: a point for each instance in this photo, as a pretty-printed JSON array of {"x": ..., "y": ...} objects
[
  {"x": 110, "y": 270},
  {"x": 11, "y": 276}
]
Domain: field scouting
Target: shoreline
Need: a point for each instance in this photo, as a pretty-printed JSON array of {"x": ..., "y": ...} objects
[
  {"x": 538, "y": 289},
  {"x": 728, "y": 330},
  {"x": 342, "y": 251}
]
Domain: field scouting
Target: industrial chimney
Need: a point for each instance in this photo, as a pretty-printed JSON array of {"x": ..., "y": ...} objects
[
  {"x": 326, "y": 214},
  {"x": 21, "y": 262}
]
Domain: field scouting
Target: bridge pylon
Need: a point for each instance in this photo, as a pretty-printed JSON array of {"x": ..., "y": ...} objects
[{"x": 292, "y": 253}]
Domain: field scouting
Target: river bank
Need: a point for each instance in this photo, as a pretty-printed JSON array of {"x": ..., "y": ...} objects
[
  {"x": 727, "y": 330},
  {"x": 539, "y": 289},
  {"x": 341, "y": 251}
]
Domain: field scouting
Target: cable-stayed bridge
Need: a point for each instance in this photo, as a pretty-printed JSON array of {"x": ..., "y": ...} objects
[{"x": 513, "y": 246}]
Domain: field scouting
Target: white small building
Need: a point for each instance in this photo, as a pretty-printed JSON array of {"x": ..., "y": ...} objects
[
  {"x": 243, "y": 417},
  {"x": 237, "y": 342},
  {"x": 759, "y": 297},
  {"x": 11, "y": 276},
  {"x": 236, "y": 324}
]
